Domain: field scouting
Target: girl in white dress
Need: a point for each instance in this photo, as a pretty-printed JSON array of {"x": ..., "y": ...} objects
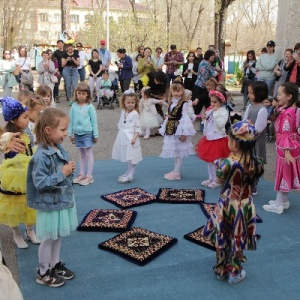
[
  {"x": 177, "y": 130},
  {"x": 127, "y": 146},
  {"x": 149, "y": 118}
]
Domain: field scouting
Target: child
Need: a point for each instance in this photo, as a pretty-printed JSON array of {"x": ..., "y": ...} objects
[
  {"x": 127, "y": 146},
  {"x": 83, "y": 131},
  {"x": 13, "y": 170},
  {"x": 287, "y": 148},
  {"x": 213, "y": 145},
  {"x": 188, "y": 97},
  {"x": 149, "y": 118},
  {"x": 105, "y": 85},
  {"x": 270, "y": 109},
  {"x": 232, "y": 226},
  {"x": 46, "y": 93},
  {"x": 177, "y": 130},
  {"x": 50, "y": 192},
  {"x": 257, "y": 115},
  {"x": 24, "y": 96}
]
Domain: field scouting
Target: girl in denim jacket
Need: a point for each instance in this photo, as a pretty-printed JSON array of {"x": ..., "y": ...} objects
[{"x": 50, "y": 192}]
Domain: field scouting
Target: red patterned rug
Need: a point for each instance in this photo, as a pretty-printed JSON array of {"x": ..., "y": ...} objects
[
  {"x": 168, "y": 195},
  {"x": 139, "y": 245},
  {"x": 130, "y": 197},
  {"x": 107, "y": 220}
]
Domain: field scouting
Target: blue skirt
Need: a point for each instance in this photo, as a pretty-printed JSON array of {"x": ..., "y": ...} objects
[
  {"x": 84, "y": 140},
  {"x": 53, "y": 224}
]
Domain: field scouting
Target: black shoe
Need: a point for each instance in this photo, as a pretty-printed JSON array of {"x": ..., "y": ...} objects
[
  {"x": 62, "y": 271},
  {"x": 50, "y": 278}
]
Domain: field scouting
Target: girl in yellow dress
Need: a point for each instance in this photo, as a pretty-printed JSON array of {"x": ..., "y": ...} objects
[{"x": 13, "y": 174}]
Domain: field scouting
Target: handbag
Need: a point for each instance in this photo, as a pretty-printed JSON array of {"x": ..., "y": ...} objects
[
  {"x": 53, "y": 78},
  {"x": 17, "y": 71}
]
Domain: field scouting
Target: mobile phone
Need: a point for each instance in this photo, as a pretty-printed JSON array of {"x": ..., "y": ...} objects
[{"x": 148, "y": 59}]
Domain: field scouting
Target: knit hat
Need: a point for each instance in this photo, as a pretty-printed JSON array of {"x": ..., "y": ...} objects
[
  {"x": 11, "y": 108},
  {"x": 244, "y": 131}
]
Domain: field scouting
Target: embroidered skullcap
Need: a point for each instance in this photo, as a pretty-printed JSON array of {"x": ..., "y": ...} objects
[
  {"x": 244, "y": 131},
  {"x": 11, "y": 108},
  {"x": 178, "y": 79},
  {"x": 129, "y": 92},
  {"x": 217, "y": 94}
]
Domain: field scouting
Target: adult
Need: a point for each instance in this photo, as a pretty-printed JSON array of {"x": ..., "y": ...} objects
[
  {"x": 146, "y": 64},
  {"x": 280, "y": 73},
  {"x": 205, "y": 72},
  {"x": 141, "y": 50},
  {"x": 293, "y": 66},
  {"x": 56, "y": 84},
  {"x": 83, "y": 58},
  {"x": 189, "y": 72},
  {"x": 265, "y": 66},
  {"x": 218, "y": 63},
  {"x": 249, "y": 75},
  {"x": 95, "y": 69},
  {"x": 198, "y": 55},
  {"x": 7, "y": 77},
  {"x": 124, "y": 69},
  {"x": 136, "y": 75},
  {"x": 158, "y": 59},
  {"x": 58, "y": 54},
  {"x": 173, "y": 59},
  {"x": 70, "y": 61},
  {"x": 24, "y": 63},
  {"x": 104, "y": 55}
]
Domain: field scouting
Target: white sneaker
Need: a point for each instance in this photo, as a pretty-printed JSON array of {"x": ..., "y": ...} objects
[
  {"x": 278, "y": 209},
  {"x": 285, "y": 205},
  {"x": 21, "y": 244}
]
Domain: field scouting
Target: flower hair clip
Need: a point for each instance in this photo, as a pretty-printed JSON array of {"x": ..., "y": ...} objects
[{"x": 129, "y": 92}]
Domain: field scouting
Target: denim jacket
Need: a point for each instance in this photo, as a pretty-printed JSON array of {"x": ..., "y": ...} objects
[{"x": 48, "y": 189}]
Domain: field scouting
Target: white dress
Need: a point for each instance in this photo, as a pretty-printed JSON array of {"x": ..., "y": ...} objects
[
  {"x": 172, "y": 146},
  {"x": 149, "y": 118},
  {"x": 123, "y": 150}
]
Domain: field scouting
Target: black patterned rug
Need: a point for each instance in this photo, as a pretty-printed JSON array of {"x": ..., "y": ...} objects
[
  {"x": 208, "y": 209},
  {"x": 139, "y": 245},
  {"x": 130, "y": 197},
  {"x": 168, "y": 195},
  {"x": 107, "y": 220}
]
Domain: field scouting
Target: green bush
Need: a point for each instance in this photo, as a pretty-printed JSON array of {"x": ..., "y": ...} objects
[{"x": 239, "y": 76}]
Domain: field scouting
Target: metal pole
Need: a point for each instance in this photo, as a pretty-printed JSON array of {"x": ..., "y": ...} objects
[{"x": 107, "y": 24}]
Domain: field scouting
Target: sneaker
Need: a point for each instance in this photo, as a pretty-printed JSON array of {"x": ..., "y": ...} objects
[
  {"x": 78, "y": 178},
  {"x": 213, "y": 185},
  {"x": 172, "y": 176},
  {"x": 285, "y": 205},
  {"x": 87, "y": 180},
  {"x": 146, "y": 137},
  {"x": 124, "y": 179},
  {"x": 50, "y": 278},
  {"x": 31, "y": 237},
  {"x": 278, "y": 209},
  {"x": 221, "y": 277},
  {"x": 20, "y": 242},
  {"x": 60, "y": 270},
  {"x": 206, "y": 182},
  {"x": 233, "y": 279},
  {"x": 254, "y": 191}
]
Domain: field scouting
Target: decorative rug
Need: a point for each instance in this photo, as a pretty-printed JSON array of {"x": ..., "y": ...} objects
[
  {"x": 208, "y": 209},
  {"x": 130, "y": 198},
  {"x": 168, "y": 195},
  {"x": 107, "y": 220},
  {"x": 138, "y": 245},
  {"x": 197, "y": 237}
]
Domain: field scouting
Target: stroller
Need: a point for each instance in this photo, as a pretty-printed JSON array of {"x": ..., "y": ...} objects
[{"x": 105, "y": 100}]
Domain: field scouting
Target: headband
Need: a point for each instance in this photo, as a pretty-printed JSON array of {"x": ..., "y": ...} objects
[{"x": 217, "y": 94}]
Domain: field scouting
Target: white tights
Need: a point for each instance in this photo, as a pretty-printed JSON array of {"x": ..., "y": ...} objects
[
  {"x": 86, "y": 159},
  {"x": 49, "y": 252},
  {"x": 178, "y": 164},
  {"x": 282, "y": 197},
  {"x": 212, "y": 169},
  {"x": 146, "y": 131},
  {"x": 130, "y": 170}
]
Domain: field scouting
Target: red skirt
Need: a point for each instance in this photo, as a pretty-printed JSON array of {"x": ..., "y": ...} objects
[{"x": 210, "y": 150}]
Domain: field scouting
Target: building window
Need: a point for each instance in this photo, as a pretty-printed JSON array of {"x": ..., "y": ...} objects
[
  {"x": 44, "y": 35},
  {"x": 74, "y": 19},
  {"x": 56, "y": 35},
  {"x": 57, "y": 18},
  {"x": 43, "y": 17}
]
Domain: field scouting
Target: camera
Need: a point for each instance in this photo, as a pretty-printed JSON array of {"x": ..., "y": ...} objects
[{"x": 116, "y": 63}]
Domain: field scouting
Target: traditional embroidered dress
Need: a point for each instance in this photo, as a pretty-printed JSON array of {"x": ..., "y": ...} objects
[
  {"x": 287, "y": 175},
  {"x": 232, "y": 226},
  {"x": 13, "y": 175},
  {"x": 176, "y": 124}
]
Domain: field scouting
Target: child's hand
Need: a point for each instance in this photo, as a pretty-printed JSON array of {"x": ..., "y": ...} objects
[
  {"x": 196, "y": 101},
  {"x": 133, "y": 141},
  {"x": 95, "y": 140},
  {"x": 182, "y": 138},
  {"x": 72, "y": 139},
  {"x": 68, "y": 168},
  {"x": 288, "y": 158},
  {"x": 15, "y": 144}
]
